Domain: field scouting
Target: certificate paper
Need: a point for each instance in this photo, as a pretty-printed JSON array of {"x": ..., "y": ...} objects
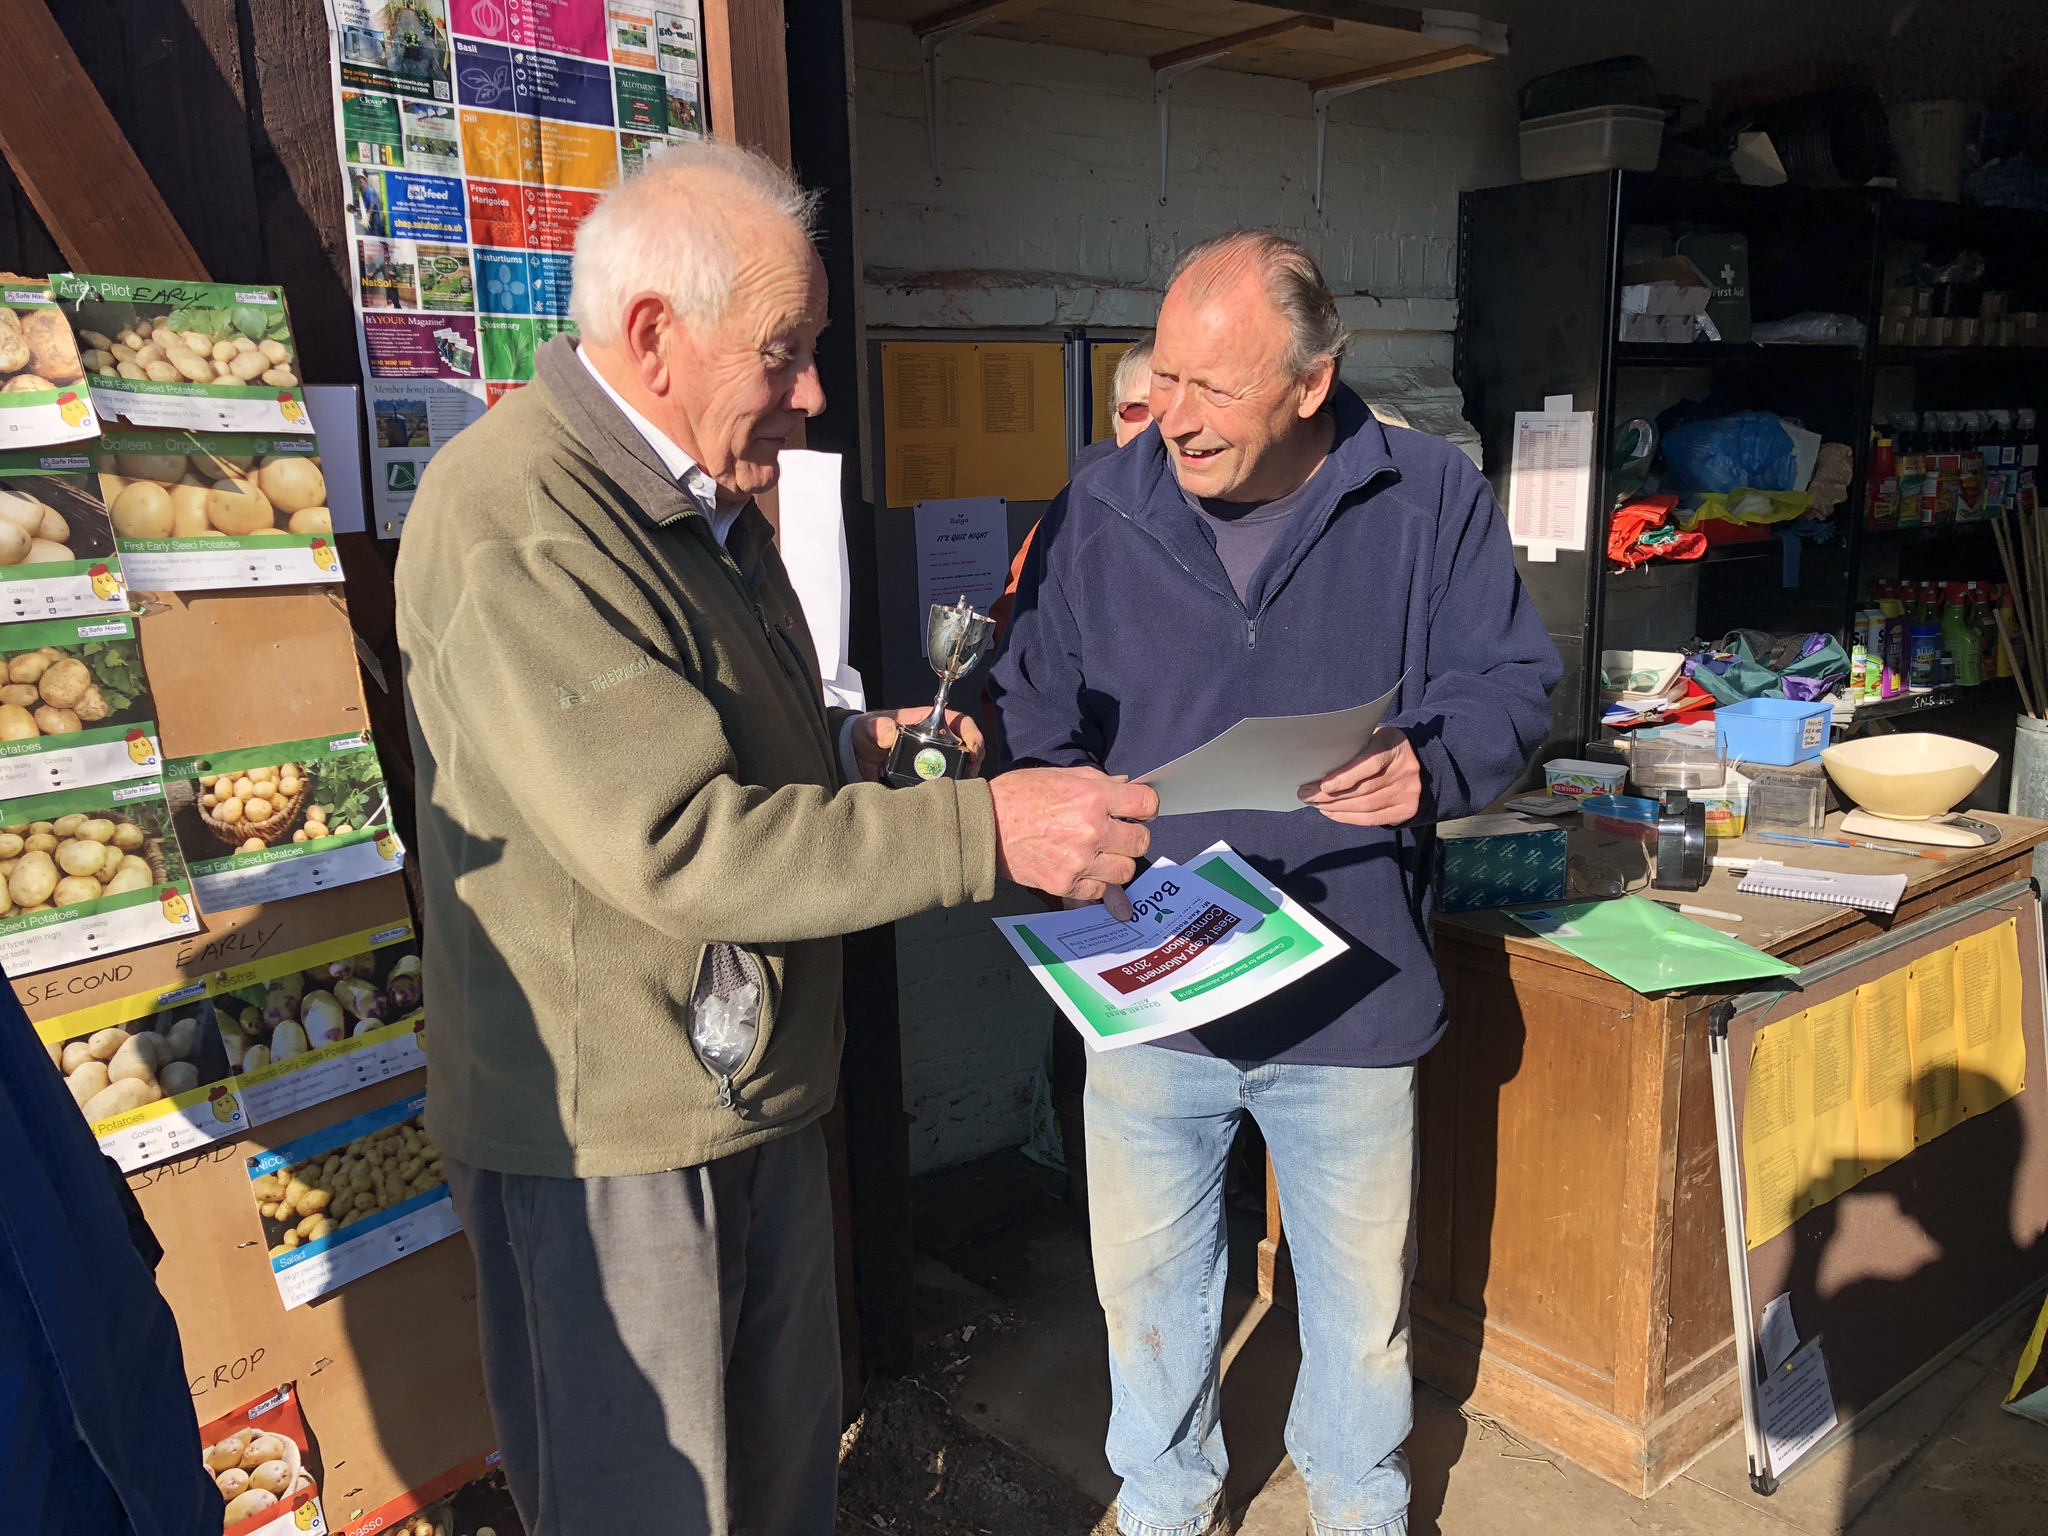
[
  {"x": 1260, "y": 763},
  {"x": 1205, "y": 939}
]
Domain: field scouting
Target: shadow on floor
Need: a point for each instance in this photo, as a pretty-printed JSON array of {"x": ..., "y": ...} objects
[{"x": 1001, "y": 1433}]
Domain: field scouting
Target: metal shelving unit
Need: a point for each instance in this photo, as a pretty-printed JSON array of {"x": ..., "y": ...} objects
[{"x": 1538, "y": 290}]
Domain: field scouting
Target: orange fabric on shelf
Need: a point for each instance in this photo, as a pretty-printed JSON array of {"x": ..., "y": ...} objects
[{"x": 1644, "y": 515}]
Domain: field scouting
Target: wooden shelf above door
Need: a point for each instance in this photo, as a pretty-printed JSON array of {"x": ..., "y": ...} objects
[{"x": 1336, "y": 39}]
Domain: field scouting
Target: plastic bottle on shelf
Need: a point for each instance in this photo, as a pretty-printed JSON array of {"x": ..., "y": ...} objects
[
  {"x": 1959, "y": 638},
  {"x": 1885, "y": 596},
  {"x": 1906, "y": 453},
  {"x": 1997, "y": 435},
  {"x": 1970, "y": 470},
  {"x": 1984, "y": 625},
  {"x": 1881, "y": 501},
  {"x": 1947, "y": 473},
  {"x": 2027, "y": 441}
]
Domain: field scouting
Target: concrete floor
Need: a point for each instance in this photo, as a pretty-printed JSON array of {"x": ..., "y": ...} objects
[{"x": 1008, "y": 1312}]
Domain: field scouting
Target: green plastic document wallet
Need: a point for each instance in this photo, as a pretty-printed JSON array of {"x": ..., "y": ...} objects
[
  {"x": 1205, "y": 939},
  {"x": 1648, "y": 947}
]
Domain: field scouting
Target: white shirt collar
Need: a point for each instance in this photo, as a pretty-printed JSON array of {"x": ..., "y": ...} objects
[{"x": 700, "y": 487}]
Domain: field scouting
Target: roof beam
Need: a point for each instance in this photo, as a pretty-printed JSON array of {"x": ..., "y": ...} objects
[
  {"x": 1216, "y": 48},
  {"x": 1404, "y": 69},
  {"x": 975, "y": 13},
  {"x": 72, "y": 159}
]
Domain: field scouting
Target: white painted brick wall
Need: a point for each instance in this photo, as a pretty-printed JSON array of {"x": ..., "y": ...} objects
[
  {"x": 975, "y": 1027},
  {"x": 1049, "y": 215}
]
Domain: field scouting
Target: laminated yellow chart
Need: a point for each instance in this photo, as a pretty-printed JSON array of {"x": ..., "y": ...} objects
[
  {"x": 1847, "y": 1087},
  {"x": 974, "y": 419}
]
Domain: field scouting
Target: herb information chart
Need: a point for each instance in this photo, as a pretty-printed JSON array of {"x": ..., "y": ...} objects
[{"x": 474, "y": 137}]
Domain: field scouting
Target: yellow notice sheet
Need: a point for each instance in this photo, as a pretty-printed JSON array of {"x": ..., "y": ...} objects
[
  {"x": 1884, "y": 1073},
  {"x": 1103, "y": 357},
  {"x": 1931, "y": 1025},
  {"x": 1833, "y": 1147},
  {"x": 1991, "y": 1045},
  {"x": 1773, "y": 1157},
  {"x": 974, "y": 419}
]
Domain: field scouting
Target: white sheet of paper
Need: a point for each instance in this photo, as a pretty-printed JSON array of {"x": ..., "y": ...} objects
[
  {"x": 1777, "y": 1335},
  {"x": 1550, "y": 478},
  {"x": 963, "y": 550},
  {"x": 336, "y": 411},
  {"x": 1260, "y": 764},
  {"x": 1797, "y": 1407},
  {"x": 1200, "y": 946},
  {"x": 813, "y": 547}
]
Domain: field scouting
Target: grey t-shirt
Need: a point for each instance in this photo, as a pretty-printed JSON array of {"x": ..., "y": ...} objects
[{"x": 1243, "y": 531}]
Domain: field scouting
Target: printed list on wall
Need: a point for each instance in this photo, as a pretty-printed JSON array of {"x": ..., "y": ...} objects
[{"x": 475, "y": 135}]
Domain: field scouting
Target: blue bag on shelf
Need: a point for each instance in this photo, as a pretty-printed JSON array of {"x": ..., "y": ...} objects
[{"x": 1750, "y": 448}]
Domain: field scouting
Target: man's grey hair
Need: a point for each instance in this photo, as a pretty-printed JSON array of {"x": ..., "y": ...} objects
[
  {"x": 668, "y": 229},
  {"x": 1133, "y": 373},
  {"x": 1294, "y": 284}
]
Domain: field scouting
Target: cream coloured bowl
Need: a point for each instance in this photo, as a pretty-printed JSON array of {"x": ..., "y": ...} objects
[{"x": 1910, "y": 777}]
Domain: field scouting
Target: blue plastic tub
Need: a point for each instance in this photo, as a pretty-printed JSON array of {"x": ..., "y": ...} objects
[{"x": 1776, "y": 731}]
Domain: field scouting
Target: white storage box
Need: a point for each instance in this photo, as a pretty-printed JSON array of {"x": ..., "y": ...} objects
[{"x": 1594, "y": 139}]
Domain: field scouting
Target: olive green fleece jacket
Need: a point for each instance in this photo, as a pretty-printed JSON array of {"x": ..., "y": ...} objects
[{"x": 623, "y": 757}]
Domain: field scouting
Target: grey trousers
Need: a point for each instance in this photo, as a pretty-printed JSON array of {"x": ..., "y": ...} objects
[{"x": 661, "y": 1352}]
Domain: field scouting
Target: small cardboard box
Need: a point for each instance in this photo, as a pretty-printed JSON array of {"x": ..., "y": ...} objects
[{"x": 1496, "y": 861}]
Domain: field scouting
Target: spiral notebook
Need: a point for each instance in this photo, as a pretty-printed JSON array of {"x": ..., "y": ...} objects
[{"x": 1872, "y": 893}]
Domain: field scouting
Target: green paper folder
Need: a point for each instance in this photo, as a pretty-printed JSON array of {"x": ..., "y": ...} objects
[{"x": 1648, "y": 947}]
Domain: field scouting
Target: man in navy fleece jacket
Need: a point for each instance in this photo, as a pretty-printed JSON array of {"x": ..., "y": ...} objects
[{"x": 1268, "y": 548}]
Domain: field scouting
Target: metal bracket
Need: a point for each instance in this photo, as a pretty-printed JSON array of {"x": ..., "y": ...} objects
[
  {"x": 1323, "y": 98},
  {"x": 1162, "y": 86},
  {"x": 943, "y": 26}
]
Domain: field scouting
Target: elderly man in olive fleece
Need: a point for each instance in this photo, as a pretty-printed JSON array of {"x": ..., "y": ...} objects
[{"x": 642, "y": 834}]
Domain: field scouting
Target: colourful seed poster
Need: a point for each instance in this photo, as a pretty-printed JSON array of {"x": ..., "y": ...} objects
[{"x": 474, "y": 136}]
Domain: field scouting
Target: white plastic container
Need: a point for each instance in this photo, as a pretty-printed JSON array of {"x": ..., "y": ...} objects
[{"x": 1592, "y": 139}]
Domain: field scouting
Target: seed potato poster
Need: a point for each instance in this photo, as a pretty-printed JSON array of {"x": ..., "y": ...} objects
[
  {"x": 266, "y": 823},
  {"x": 163, "y": 1071},
  {"x": 57, "y": 555},
  {"x": 474, "y": 136},
  {"x": 43, "y": 395},
  {"x": 75, "y": 707},
  {"x": 206, "y": 357},
  {"x": 350, "y": 1198},
  {"x": 201, "y": 511},
  {"x": 89, "y": 872}
]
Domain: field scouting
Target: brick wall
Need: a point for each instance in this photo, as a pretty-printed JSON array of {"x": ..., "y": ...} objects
[{"x": 1049, "y": 215}]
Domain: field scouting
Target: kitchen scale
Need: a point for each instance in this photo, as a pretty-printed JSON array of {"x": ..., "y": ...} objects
[
  {"x": 1904, "y": 785},
  {"x": 1953, "y": 830},
  {"x": 1671, "y": 768}
]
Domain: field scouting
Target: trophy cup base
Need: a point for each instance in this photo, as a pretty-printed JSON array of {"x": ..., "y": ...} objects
[{"x": 921, "y": 756}]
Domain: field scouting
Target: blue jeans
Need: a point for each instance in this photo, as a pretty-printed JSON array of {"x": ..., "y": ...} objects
[{"x": 1160, "y": 1125}]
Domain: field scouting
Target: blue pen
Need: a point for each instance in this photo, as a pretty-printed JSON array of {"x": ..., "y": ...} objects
[{"x": 1846, "y": 842}]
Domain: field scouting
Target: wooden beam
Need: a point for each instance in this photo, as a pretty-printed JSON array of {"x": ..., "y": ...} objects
[
  {"x": 73, "y": 161},
  {"x": 1238, "y": 41},
  {"x": 747, "y": 74},
  {"x": 974, "y": 13},
  {"x": 1405, "y": 69}
]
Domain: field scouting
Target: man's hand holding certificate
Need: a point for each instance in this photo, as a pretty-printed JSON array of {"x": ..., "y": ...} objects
[{"x": 1204, "y": 940}]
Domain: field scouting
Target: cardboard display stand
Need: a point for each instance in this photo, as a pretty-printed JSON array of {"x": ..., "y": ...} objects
[{"x": 1898, "y": 1265}]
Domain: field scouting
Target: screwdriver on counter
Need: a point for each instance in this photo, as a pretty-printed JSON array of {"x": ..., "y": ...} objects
[{"x": 1848, "y": 842}]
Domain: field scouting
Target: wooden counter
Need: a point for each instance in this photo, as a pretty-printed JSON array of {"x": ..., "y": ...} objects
[{"x": 1572, "y": 1280}]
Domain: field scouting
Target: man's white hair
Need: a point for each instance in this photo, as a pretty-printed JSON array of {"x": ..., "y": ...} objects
[
  {"x": 668, "y": 230},
  {"x": 1133, "y": 376}
]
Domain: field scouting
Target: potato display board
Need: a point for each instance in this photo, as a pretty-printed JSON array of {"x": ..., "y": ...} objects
[
  {"x": 198, "y": 510},
  {"x": 205, "y": 357},
  {"x": 97, "y": 872},
  {"x": 350, "y": 1199},
  {"x": 57, "y": 555},
  {"x": 75, "y": 707},
  {"x": 262, "y": 1459},
  {"x": 43, "y": 397},
  {"x": 242, "y": 1046},
  {"x": 266, "y": 823}
]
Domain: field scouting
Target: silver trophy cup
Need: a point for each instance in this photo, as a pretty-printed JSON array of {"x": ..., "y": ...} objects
[{"x": 955, "y": 640}]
